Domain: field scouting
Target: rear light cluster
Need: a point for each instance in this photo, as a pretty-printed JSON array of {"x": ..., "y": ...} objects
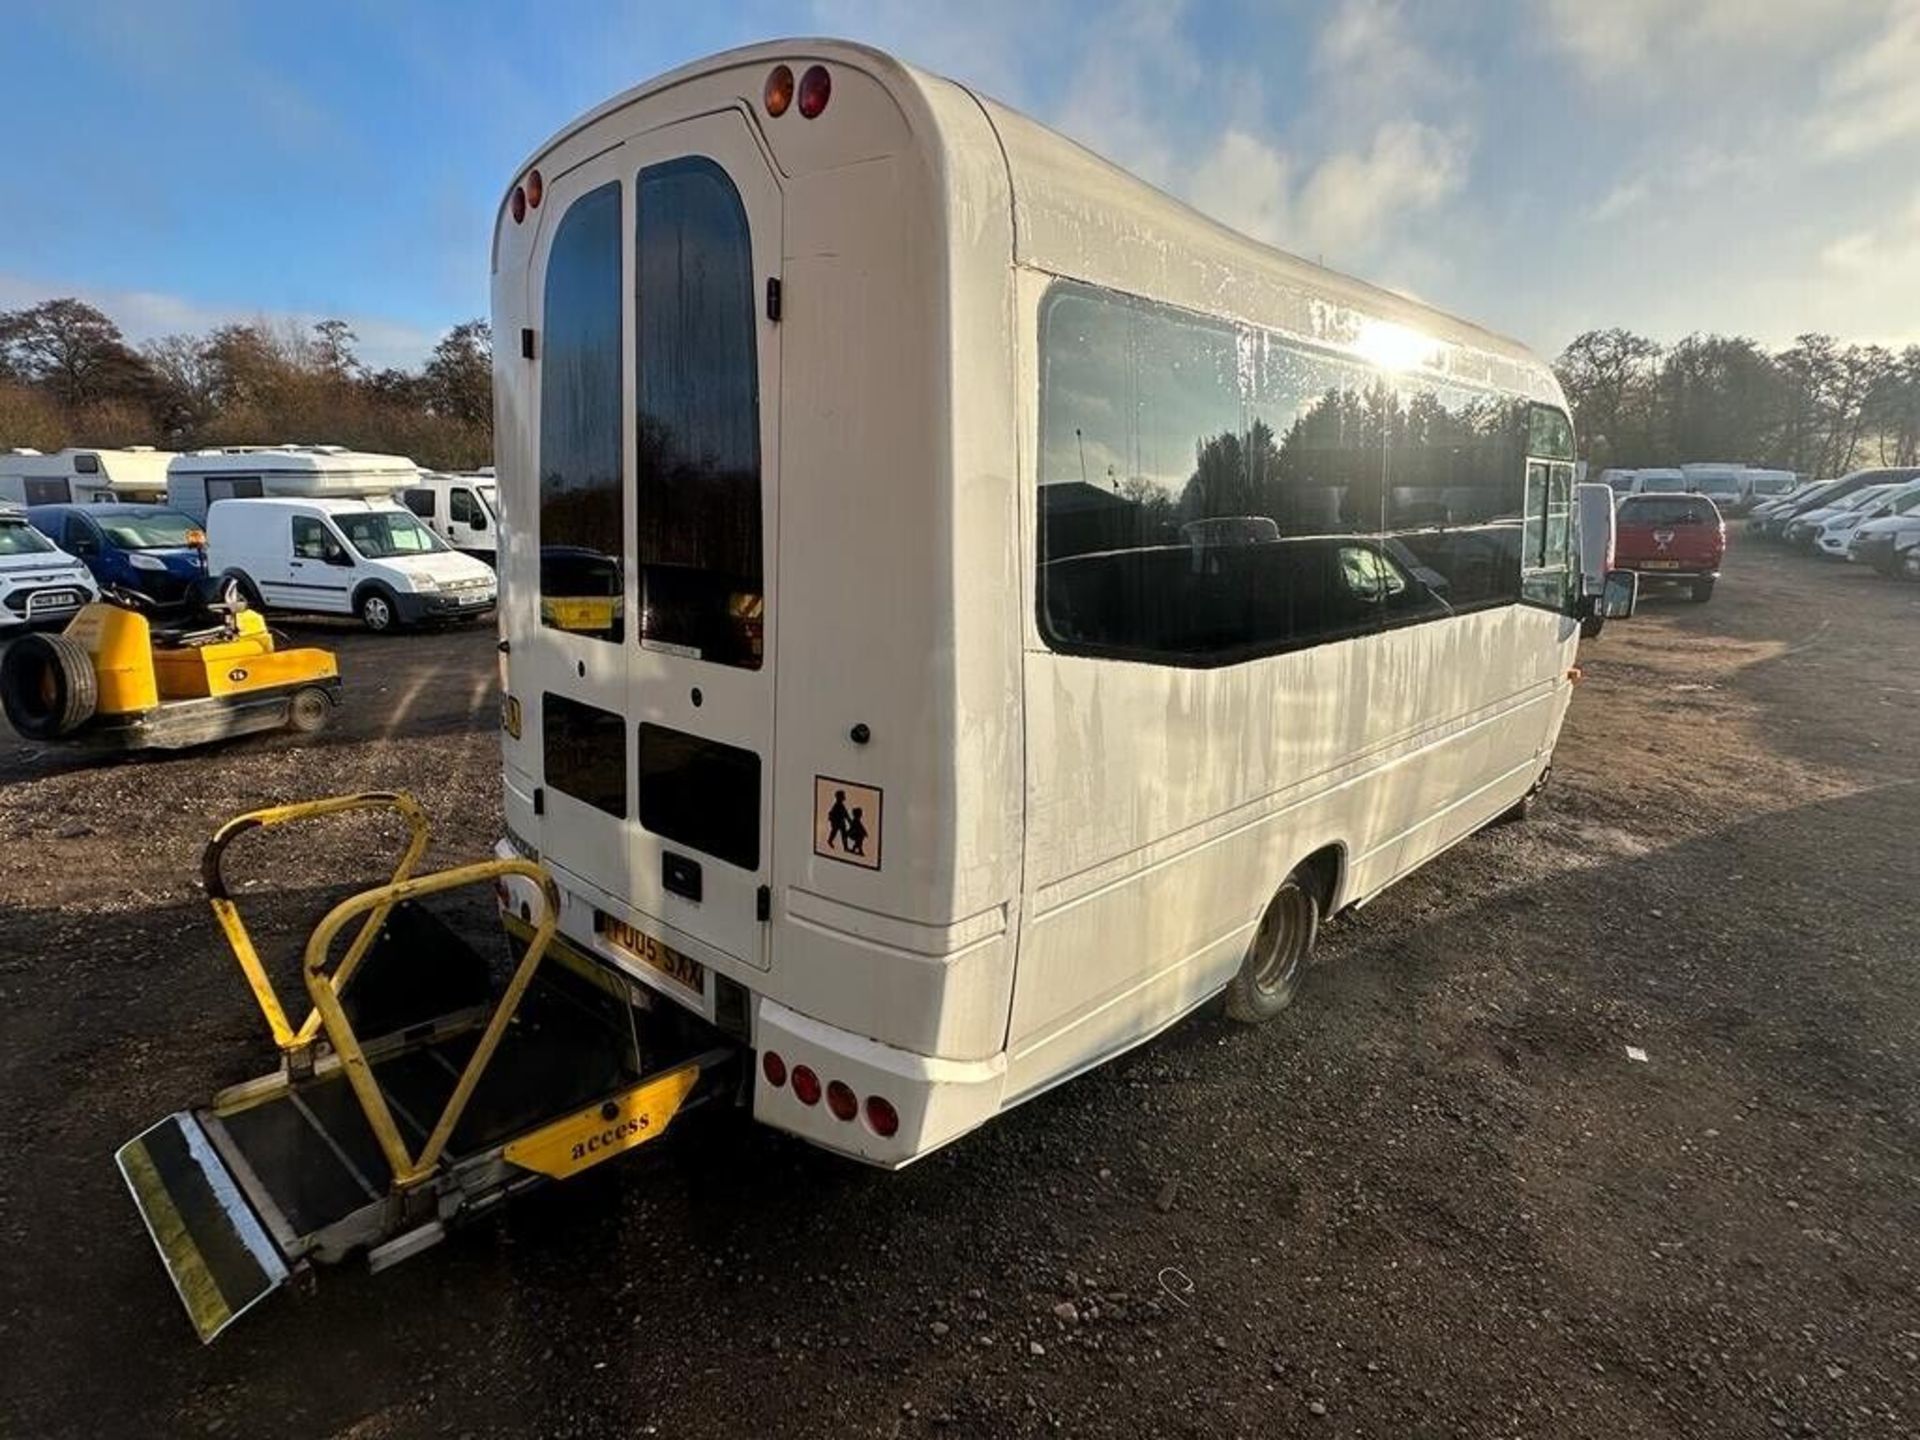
[
  {"x": 813, "y": 92},
  {"x": 842, "y": 1102},
  {"x": 526, "y": 196}
]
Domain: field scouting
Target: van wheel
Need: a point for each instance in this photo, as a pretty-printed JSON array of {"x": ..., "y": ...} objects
[
  {"x": 309, "y": 711},
  {"x": 237, "y": 589},
  {"x": 47, "y": 686},
  {"x": 1702, "y": 591},
  {"x": 1277, "y": 958},
  {"x": 377, "y": 610}
]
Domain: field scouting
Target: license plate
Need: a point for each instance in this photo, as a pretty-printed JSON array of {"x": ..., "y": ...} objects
[
  {"x": 1660, "y": 565},
  {"x": 649, "y": 951},
  {"x": 53, "y": 600}
]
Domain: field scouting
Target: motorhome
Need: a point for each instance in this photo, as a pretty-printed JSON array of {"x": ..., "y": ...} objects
[
  {"x": 197, "y": 479},
  {"x": 962, "y": 610},
  {"x": 85, "y": 476}
]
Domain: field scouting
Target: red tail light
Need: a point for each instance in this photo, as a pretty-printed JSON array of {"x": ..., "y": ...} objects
[
  {"x": 882, "y": 1117},
  {"x": 779, "y": 91},
  {"x": 816, "y": 88},
  {"x": 806, "y": 1086},
  {"x": 774, "y": 1068},
  {"x": 842, "y": 1101}
]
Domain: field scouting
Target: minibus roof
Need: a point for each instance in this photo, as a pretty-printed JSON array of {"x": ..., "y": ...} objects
[{"x": 1078, "y": 215}]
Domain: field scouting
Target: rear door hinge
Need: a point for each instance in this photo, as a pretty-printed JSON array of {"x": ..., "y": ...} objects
[
  {"x": 773, "y": 298},
  {"x": 763, "y": 903},
  {"x": 526, "y": 343}
]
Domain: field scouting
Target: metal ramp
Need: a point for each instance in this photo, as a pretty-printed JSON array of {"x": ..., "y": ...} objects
[{"x": 466, "y": 1093}]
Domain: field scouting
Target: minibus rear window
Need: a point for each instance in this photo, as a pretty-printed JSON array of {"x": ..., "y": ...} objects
[
  {"x": 581, "y": 517},
  {"x": 701, "y": 793},
  {"x": 1210, "y": 492},
  {"x": 697, "y": 482},
  {"x": 585, "y": 750}
]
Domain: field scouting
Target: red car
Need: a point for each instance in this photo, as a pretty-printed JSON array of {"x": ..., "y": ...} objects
[{"x": 1672, "y": 537}]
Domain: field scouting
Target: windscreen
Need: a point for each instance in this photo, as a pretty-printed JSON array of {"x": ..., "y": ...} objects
[
  {"x": 383, "y": 534},
  {"x": 159, "y": 530},
  {"x": 17, "y": 538}
]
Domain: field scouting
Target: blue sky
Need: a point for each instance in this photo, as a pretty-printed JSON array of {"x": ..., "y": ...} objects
[{"x": 1541, "y": 166}]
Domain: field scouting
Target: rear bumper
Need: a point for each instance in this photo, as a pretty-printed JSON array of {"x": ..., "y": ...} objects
[
  {"x": 936, "y": 1100},
  {"x": 1686, "y": 570}
]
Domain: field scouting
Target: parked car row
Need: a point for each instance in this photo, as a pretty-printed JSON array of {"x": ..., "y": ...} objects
[
  {"x": 1734, "y": 489},
  {"x": 1869, "y": 517},
  {"x": 367, "y": 557}
]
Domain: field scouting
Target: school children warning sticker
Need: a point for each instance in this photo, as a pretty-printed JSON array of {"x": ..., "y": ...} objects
[{"x": 846, "y": 822}]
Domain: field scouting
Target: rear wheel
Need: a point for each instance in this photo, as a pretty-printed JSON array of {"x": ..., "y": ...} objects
[
  {"x": 309, "y": 711},
  {"x": 48, "y": 686},
  {"x": 1277, "y": 959},
  {"x": 1702, "y": 591}
]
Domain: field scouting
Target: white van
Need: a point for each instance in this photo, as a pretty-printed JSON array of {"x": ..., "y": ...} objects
[
  {"x": 40, "y": 584},
  {"x": 85, "y": 476},
  {"x": 463, "y": 510},
  {"x": 370, "y": 558},
  {"x": 198, "y": 478},
  {"x": 1665, "y": 481}
]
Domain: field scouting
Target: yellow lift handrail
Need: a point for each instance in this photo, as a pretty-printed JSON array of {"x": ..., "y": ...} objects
[
  {"x": 225, "y": 911},
  {"x": 325, "y": 989}
]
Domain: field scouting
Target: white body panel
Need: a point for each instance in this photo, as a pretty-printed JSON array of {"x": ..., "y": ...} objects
[
  {"x": 1075, "y": 849},
  {"x": 461, "y": 509}
]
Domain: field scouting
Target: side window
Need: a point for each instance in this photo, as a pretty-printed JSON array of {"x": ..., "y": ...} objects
[
  {"x": 697, "y": 445},
  {"x": 581, "y": 509},
  {"x": 312, "y": 540},
  {"x": 1210, "y": 493},
  {"x": 48, "y": 492},
  {"x": 1547, "y": 549},
  {"x": 420, "y": 502},
  {"x": 233, "y": 487},
  {"x": 78, "y": 537},
  {"x": 460, "y": 507}
]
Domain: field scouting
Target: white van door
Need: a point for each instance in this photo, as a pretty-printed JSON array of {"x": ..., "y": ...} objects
[
  {"x": 469, "y": 524},
  {"x": 308, "y": 568}
]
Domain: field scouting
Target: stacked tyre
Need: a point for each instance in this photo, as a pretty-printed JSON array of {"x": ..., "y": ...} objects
[{"x": 47, "y": 686}]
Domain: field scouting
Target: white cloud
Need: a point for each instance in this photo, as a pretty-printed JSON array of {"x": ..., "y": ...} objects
[
  {"x": 1887, "y": 254},
  {"x": 1871, "y": 96},
  {"x": 148, "y": 314},
  {"x": 1351, "y": 198},
  {"x": 1647, "y": 42}
]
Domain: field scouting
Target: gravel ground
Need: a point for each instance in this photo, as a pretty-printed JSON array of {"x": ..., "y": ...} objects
[{"x": 1436, "y": 1198}]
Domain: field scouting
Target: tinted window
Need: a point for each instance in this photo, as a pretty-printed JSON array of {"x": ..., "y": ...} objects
[
  {"x": 461, "y": 508},
  {"x": 585, "y": 750},
  {"x": 313, "y": 541},
  {"x": 1210, "y": 493},
  {"x": 420, "y": 502},
  {"x": 580, "y": 405},
  {"x": 697, "y": 486},
  {"x": 701, "y": 793},
  {"x": 1662, "y": 511},
  {"x": 78, "y": 537},
  {"x": 234, "y": 487},
  {"x": 47, "y": 492},
  {"x": 86, "y": 464}
]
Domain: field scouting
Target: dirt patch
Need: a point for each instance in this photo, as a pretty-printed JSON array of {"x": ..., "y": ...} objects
[{"x": 1436, "y": 1198}]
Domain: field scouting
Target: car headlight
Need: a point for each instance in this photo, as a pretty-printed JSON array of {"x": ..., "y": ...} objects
[
  {"x": 146, "y": 562},
  {"x": 426, "y": 584}
]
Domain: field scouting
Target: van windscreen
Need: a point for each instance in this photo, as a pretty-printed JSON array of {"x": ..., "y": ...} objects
[{"x": 383, "y": 534}]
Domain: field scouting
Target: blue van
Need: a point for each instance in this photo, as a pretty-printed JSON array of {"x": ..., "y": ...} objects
[{"x": 148, "y": 548}]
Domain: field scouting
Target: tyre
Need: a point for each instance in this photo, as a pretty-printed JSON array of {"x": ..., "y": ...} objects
[
  {"x": 309, "y": 711},
  {"x": 236, "y": 588},
  {"x": 1277, "y": 959},
  {"x": 377, "y": 609},
  {"x": 1702, "y": 591},
  {"x": 48, "y": 686}
]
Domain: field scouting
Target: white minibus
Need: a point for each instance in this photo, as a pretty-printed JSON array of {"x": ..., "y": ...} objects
[{"x": 963, "y": 609}]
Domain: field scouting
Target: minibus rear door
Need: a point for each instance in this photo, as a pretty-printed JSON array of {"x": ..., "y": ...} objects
[{"x": 707, "y": 245}]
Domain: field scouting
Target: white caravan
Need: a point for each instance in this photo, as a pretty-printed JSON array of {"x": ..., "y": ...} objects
[
  {"x": 963, "y": 609},
  {"x": 85, "y": 476},
  {"x": 463, "y": 510},
  {"x": 199, "y": 478},
  {"x": 368, "y": 558}
]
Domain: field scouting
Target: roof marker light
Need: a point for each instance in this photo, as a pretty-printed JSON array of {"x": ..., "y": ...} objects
[
  {"x": 779, "y": 91},
  {"x": 518, "y": 204},
  {"x": 816, "y": 88},
  {"x": 536, "y": 187}
]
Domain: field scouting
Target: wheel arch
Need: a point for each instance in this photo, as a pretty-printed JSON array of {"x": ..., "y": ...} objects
[{"x": 1326, "y": 871}]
